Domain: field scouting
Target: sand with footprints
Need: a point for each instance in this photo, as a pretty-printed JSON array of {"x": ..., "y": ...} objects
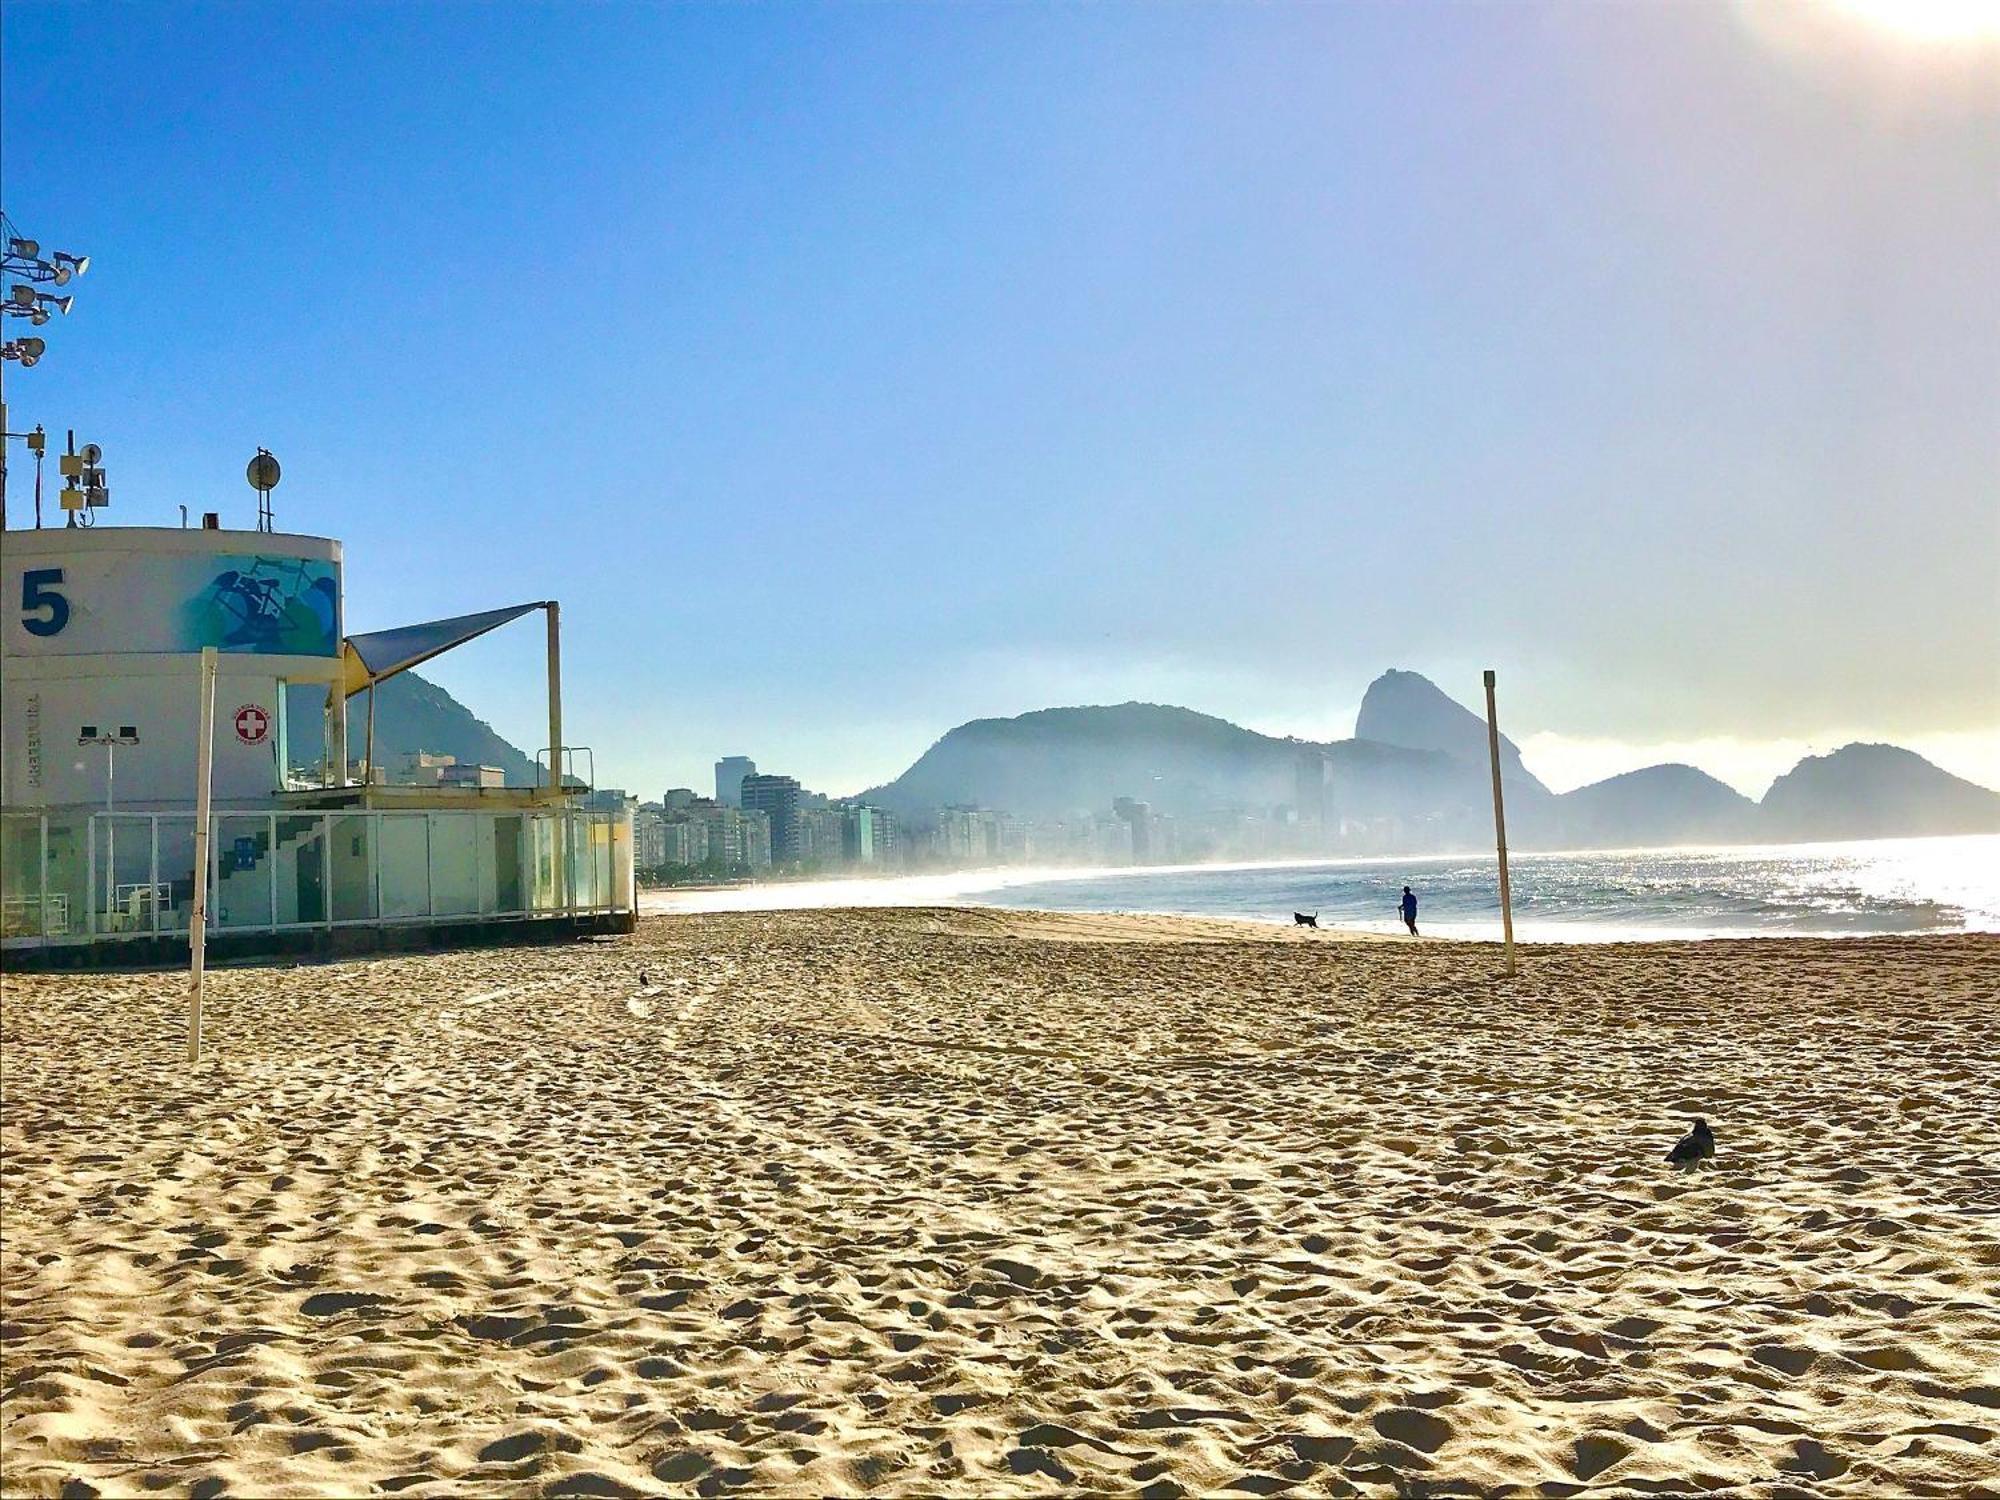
[{"x": 947, "y": 1202}]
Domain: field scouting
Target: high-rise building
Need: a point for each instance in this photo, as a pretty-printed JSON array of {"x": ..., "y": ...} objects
[
  {"x": 684, "y": 843},
  {"x": 777, "y": 797},
  {"x": 868, "y": 836},
  {"x": 730, "y": 772},
  {"x": 1311, "y": 776},
  {"x": 699, "y": 831},
  {"x": 649, "y": 838},
  {"x": 1140, "y": 816},
  {"x": 821, "y": 836},
  {"x": 756, "y": 834}
]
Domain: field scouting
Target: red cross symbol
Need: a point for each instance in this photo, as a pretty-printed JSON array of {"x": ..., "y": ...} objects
[{"x": 252, "y": 724}]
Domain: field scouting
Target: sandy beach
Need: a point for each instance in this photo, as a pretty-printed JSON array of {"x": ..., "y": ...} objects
[{"x": 975, "y": 1202}]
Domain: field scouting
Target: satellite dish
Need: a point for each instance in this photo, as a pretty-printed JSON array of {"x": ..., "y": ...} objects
[
  {"x": 262, "y": 471},
  {"x": 92, "y": 455}
]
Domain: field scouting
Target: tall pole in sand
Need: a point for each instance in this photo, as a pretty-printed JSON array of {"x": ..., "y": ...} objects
[
  {"x": 1500, "y": 822},
  {"x": 198, "y": 920}
]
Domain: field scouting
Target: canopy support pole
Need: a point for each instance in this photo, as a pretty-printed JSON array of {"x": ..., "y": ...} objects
[
  {"x": 368, "y": 770},
  {"x": 336, "y": 733},
  {"x": 555, "y": 695},
  {"x": 561, "y": 869}
]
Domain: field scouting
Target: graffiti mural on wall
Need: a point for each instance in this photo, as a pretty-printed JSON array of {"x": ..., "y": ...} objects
[
  {"x": 95, "y": 597},
  {"x": 285, "y": 606}
]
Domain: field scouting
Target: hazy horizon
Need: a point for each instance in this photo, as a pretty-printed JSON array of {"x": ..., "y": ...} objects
[
  {"x": 1561, "y": 763},
  {"x": 850, "y": 372}
]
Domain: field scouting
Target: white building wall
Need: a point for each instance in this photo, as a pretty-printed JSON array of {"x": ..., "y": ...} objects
[{"x": 104, "y": 627}]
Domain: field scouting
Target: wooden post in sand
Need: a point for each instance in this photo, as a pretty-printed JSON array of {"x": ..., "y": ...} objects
[
  {"x": 1500, "y": 822},
  {"x": 198, "y": 920}
]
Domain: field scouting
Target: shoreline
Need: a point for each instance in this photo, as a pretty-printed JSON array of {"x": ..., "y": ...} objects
[{"x": 1681, "y": 895}]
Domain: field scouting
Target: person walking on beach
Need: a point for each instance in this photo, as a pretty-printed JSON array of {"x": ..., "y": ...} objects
[{"x": 1410, "y": 910}]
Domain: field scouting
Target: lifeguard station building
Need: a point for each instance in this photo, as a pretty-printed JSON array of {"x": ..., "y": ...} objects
[{"x": 100, "y": 652}]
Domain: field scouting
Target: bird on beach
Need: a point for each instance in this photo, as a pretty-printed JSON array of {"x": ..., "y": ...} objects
[
  {"x": 644, "y": 982},
  {"x": 1698, "y": 1145}
]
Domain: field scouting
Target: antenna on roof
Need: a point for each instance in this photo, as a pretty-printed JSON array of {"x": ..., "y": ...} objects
[{"x": 263, "y": 473}]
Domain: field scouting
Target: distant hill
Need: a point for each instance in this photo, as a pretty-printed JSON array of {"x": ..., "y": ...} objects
[
  {"x": 1670, "y": 804},
  {"x": 1874, "y": 791},
  {"x": 1408, "y": 709},
  {"x": 413, "y": 713},
  {"x": 1415, "y": 777},
  {"x": 1059, "y": 761}
]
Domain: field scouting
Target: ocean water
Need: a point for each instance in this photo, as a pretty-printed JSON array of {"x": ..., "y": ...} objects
[
  {"x": 1881, "y": 886},
  {"x": 1804, "y": 890}
]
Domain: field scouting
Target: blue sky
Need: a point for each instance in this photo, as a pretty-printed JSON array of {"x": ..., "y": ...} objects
[{"x": 851, "y": 371}]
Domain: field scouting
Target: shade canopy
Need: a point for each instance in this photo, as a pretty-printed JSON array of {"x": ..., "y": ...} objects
[{"x": 368, "y": 659}]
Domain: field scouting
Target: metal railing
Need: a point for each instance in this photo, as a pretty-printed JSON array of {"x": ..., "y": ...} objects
[{"x": 130, "y": 875}]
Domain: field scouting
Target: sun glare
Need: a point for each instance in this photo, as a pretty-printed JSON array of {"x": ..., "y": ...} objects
[{"x": 1930, "y": 20}]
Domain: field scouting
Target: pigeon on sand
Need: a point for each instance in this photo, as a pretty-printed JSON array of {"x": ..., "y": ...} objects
[{"x": 1698, "y": 1145}]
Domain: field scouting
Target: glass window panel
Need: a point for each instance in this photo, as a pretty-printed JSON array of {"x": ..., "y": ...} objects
[
  {"x": 21, "y": 877},
  {"x": 242, "y": 870},
  {"x": 352, "y": 854},
  {"x": 176, "y": 872},
  {"x": 301, "y": 857},
  {"x": 124, "y": 868},
  {"x": 455, "y": 864},
  {"x": 542, "y": 833},
  {"x": 405, "y": 855},
  {"x": 600, "y": 843},
  {"x": 68, "y": 876},
  {"x": 506, "y": 865}
]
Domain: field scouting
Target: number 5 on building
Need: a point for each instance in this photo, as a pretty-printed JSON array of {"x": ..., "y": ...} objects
[{"x": 38, "y": 594}]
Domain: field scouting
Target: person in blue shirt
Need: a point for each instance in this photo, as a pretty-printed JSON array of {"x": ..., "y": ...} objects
[{"x": 1410, "y": 910}]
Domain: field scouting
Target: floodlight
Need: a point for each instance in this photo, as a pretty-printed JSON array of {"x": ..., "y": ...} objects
[
  {"x": 29, "y": 249},
  {"x": 68, "y": 265},
  {"x": 92, "y": 455},
  {"x": 21, "y": 294},
  {"x": 39, "y": 316},
  {"x": 60, "y": 275},
  {"x": 60, "y": 304}
]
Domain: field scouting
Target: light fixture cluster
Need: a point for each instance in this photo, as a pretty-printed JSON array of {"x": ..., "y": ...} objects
[{"x": 25, "y": 298}]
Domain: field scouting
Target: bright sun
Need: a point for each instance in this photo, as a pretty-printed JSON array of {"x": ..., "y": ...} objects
[{"x": 1930, "y": 20}]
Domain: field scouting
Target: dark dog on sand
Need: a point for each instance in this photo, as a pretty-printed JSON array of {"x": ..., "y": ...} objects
[{"x": 1300, "y": 919}]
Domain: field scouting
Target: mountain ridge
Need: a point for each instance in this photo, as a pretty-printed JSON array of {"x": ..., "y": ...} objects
[
  {"x": 1419, "y": 773},
  {"x": 412, "y": 713}
]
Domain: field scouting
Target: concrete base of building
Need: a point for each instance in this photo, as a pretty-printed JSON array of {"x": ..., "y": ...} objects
[{"x": 318, "y": 942}]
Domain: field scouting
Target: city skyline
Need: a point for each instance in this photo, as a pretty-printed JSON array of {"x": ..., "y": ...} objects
[{"x": 851, "y": 373}]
